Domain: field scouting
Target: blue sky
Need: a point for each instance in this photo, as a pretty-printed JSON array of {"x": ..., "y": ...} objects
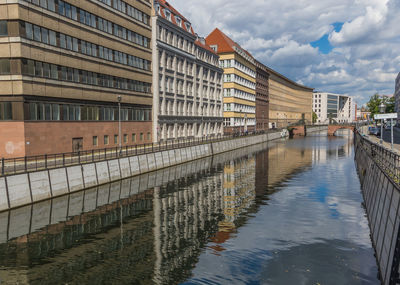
[
  {"x": 340, "y": 46},
  {"x": 323, "y": 43}
]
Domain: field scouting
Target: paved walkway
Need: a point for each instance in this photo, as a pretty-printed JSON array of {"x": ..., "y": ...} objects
[{"x": 387, "y": 139}]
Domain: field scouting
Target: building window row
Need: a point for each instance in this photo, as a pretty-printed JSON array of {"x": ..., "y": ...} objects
[
  {"x": 175, "y": 40},
  {"x": 5, "y": 111},
  {"x": 241, "y": 108},
  {"x": 239, "y": 80},
  {"x": 58, "y": 72},
  {"x": 106, "y": 139},
  {"x": 53, "y": 38},
  {"x": 231, "y": 63},
  {"x": 39, "y": 111},
  {"x": 231, "y": 92},
  {"x": 127, "y": 9},
  {"x": 74, "y": 13}
]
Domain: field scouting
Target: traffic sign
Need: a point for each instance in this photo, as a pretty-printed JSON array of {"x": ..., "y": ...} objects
[{"x": 385, "y": 116}]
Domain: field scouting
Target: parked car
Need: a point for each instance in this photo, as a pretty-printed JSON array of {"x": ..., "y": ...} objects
[{"x": 374, "y": 131}]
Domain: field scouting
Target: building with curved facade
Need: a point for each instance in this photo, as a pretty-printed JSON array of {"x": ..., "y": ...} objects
[{"x": 289, "y": 102}]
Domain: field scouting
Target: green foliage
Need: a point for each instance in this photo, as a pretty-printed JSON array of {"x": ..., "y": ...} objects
[
  {"x": 314, "y": 117},
  {"x": 376, "y": 100}
]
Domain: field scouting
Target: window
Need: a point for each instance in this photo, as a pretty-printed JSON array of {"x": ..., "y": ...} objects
[
  {"x": 5, "y": 111},
  {"x": 46, "y": 70},
  {"x": 4, "y": 66},
  {"x": 3, "y": 28},
  {"x": 45, "y": 36},
  {"x": 106, "y": 140},
  {"x": 95, "y": 142},
  {"x": 141, "y": 136},
  {"x": 36, "y": 33},
  {"x": 133, "y": 137},
  {"x": 54, "y": 71},
  {"x": 148, "y": 136},
  {"x": 29, "y": 31},
  {"x": 115, "y": 139},
  {"x": 52, "y": 38},
  {"x": 125, "y": 138}
]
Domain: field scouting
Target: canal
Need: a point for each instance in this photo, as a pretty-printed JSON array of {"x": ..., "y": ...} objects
[{"x": 284, "y": 212}]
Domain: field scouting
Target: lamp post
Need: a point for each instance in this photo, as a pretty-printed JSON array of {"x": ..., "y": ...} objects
[
  {"x": 240, "y": 123},
  {"x": 263, "y": 122},
  {"x": 382, "y": 108},
  {"x": 119, "y": 124}
]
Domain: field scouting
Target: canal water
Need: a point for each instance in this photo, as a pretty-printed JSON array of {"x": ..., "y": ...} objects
[{"x": 284, "y": 212}]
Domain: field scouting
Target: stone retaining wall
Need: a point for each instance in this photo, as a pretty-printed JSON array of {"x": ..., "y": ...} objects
[{"x": 23, "y": 189}]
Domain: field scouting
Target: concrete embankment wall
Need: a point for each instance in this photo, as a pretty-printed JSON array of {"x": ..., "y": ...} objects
[
  {"x": 381, "y": 199},
  {"x": 23, "y": 189},
  {"x": 30, "y": 218}
]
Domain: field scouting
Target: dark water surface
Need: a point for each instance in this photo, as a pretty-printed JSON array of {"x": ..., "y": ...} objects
[{"x": 286, "y": 212}]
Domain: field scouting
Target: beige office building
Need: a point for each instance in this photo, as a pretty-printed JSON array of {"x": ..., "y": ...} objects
[
  {"x": 289, "y": 102},
  {"x": 64, "y": 66}
]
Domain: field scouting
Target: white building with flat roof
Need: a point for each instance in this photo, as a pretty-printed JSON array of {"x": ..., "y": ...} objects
[{"x": 334, "y": 108}]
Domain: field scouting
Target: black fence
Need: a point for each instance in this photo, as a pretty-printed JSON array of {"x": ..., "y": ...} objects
[
  {"x": 388, "y": 163},
  {"x": 387, "y": 160},
  {"x": 9, "y": 166}
]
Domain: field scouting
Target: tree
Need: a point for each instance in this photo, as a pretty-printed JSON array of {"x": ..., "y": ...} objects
[
  {"x": 376, "y": 100},
  {"x": 314, "y": 117}
]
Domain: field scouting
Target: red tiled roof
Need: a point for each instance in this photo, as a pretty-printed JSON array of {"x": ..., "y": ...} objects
[
  {"x": 165, "y": 5},
  {"x": 225, "y": 43}
]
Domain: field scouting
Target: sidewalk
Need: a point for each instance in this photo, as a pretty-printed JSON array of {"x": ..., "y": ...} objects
[{"x": 396, "y": 147}]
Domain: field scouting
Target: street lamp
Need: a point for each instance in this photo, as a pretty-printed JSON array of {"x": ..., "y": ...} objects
[
  {"x": 382, "y": 108},
  {"x": 240, "y": 122},
  {"x": 119, "y": 123}
]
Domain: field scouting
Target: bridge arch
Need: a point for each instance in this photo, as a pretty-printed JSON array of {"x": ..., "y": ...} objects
[{"x": 333, "y": 128}]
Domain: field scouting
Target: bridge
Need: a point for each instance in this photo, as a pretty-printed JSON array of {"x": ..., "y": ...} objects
[{"x": 301, "y": 130}]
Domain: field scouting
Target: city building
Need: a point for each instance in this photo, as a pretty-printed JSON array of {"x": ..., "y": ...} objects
[
  {"x": 239, "y": 83},
  {"x": 289, "y": 102},
  {"x": 64, "y": 68},
  {"x": 334, "y": 108},
  {"x": 262, "y": 100},
  {"x": 363, "y": 114},
  {"x": 397, "y": 96},
  {"x": 187, "y": 80}
]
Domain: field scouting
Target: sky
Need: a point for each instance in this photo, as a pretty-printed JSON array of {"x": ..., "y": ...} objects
[{"x": 347, "y": 47}]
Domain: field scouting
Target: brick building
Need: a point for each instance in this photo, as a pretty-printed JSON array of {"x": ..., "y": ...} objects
[{"x": 262, "y": 98}]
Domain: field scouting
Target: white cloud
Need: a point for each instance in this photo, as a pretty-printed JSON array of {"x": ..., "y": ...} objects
[{"x": 365, "y": 58}]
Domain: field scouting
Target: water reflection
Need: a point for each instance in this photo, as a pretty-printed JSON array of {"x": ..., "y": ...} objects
[{"x": 241, "y": 217}]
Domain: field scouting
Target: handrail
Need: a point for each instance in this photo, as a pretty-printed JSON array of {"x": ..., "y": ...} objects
[
  {"x": 10, "y": 166},
  {"x": 386, "y": 159}
]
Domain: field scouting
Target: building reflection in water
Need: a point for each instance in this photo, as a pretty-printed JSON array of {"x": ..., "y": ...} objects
[{"x": 147, "y": 229}]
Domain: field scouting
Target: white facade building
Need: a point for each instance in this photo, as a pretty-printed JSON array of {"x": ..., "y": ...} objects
[
  {"x": 333, "y": 107},
  {"x": 187, "y": 80}
]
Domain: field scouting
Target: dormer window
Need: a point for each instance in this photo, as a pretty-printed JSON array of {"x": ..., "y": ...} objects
[
  {"x": 168, "y": 14},
  {"x": 178, "y": 21},
  {"x": 187, "y": 26}
]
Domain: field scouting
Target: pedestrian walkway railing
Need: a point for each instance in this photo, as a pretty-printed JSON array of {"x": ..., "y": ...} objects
[
  {"x": 387, "y": 160},
  {"x": 9, "y": 166}
]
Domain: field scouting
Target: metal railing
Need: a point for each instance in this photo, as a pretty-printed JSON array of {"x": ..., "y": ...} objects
[
  {"x": 386, "y": 159},
  {"x": 9, "y": 166}
]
